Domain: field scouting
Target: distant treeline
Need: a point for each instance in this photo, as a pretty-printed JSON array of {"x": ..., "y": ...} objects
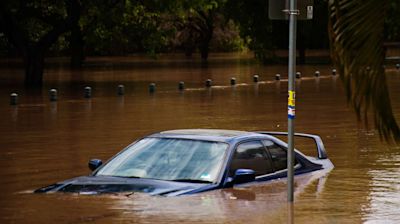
[
  {"x": 39, "y": 28},
  {"x": 121, "y": 27}
]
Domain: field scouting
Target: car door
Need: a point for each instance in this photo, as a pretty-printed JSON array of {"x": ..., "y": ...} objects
[{"x": 251, "y": 155}]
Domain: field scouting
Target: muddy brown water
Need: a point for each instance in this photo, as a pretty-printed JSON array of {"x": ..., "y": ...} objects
[{"x": 43, "y": 142}]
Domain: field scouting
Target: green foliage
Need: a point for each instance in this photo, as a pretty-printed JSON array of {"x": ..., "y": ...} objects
[
  {"x": 255, "y": 27},
  {"x": 264, "y": 36},
  {"x": 226, "y": 38},
  {"x": 202, "y": 25},
  {"x": 33, "y": 27},
  {"x": 34, "y": 19},
  {"x": 122, "y": 27},
  {"x": 118, "y": 27}
]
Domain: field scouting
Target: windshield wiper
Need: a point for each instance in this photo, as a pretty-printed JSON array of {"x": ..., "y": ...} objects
[
  {"x": 133, "y": 177},
  {"x": 193, "y": 181}
]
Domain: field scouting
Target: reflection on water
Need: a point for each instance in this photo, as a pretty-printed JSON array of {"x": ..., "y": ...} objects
[
  {"x": 255, "y": 203},
  {"x": 385, "y": 181},
  {"x": 43, "y": 142}
]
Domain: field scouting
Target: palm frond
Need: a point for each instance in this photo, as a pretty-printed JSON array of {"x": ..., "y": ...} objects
[{"x": 356, "y": 34}]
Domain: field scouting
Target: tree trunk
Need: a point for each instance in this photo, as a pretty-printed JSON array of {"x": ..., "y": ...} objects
[
  {"x": 34, "y": 65},
  {"x": 76, "y": 41},
  {"x": 189, "y": 51},
  {"x": 77, "y": 47},
  {"x": 204, "y": 50},
  {"x": 205, "y": 40},
  {"x": 301, "y": 44},
  {"x": 190, "y": 46},
  {"x": 206, "y": 33},
  {"x": 33, "y": 50},
  {"x": 302, "y": 55}
]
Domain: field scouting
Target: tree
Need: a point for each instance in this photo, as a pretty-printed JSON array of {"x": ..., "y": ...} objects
[
  {"x": 265, "y": 36},
  {"x": 195, "y": 23},
  {"x": 34, "y": 27},
  {"x": 356, "y": 32},
  {"x": 255, "y": 27},
  {"x": 119, "y": 27}
]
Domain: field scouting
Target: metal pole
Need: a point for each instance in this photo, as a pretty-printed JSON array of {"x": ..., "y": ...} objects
[{"x": 291, "y": 99}]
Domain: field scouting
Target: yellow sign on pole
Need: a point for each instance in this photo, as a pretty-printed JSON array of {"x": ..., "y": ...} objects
[{"x": 292, "y": 105}]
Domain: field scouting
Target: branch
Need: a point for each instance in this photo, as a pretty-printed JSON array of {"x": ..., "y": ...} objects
[{"x": 73, "y": 15}]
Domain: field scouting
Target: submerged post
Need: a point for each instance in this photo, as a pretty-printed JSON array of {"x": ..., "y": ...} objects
[
  {"x": 293, "y": 12},
  {"x": 208, "y": 83},
  {"x": 53, "y": 95},
  {"x": 181, "y": 85},
  {"x": 120, "y": 90},
  {"x": 88, "y": 92},
  {"x": 152, "y": 87},
  {"x": 233, "y": 81},
  {"x": 13, "y": 99},
  {"x": 255, "y": 78}
]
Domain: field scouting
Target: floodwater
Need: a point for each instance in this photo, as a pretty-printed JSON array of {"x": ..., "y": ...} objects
[{"x": 43, "y": 142}]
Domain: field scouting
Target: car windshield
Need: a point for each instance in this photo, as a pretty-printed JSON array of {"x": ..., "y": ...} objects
[{"x": 169, "y": 159}]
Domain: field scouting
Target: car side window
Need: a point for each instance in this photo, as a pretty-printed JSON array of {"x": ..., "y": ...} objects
[
  {"x": 278, "y": 155},
  {"x": 251, "y": 155}
]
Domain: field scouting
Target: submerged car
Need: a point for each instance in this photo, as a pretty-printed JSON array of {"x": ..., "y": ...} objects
[{"x": 180, "y": 162}]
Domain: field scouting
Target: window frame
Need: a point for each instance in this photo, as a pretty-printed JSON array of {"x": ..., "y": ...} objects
[
  {"x": 265, "y": 153},
  {"x": 276, "y": 172},
  {"x": 265, "y": 176}
]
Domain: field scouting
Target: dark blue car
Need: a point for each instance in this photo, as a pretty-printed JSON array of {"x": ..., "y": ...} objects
[{"x": 180, "y": 162}]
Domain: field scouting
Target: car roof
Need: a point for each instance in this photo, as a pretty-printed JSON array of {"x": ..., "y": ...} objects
[{"x": 208, "y": 134}]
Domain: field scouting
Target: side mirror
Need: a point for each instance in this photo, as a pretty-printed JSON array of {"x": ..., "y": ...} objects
[
  {"x": 94, "y": 164},
  {"x": 244, "y": 176}
]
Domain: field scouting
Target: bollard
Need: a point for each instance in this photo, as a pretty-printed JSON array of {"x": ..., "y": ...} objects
[
  {"x": 317, "y": 73},
  {"x": 152, "y": 87},
  {"x": 398, "y": 66},
  {"x": 121, "y": 90},
  {"x": 181, "y": 85},
  {"x": 233, "y": 81},
  {"x": 278, "y": 77},
  {"x": 255, "y": 78},
  {"x": 53, "y": 95},
  {"x": 13, "y": 99},
  {"x": 333, "y": 71},
  {"x": 298, "y": 75},
  {"x": 88, "y": 92},
  {"x": 208, "y": 83}
]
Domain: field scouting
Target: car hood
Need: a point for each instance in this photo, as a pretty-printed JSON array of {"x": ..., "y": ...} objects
[{"x": 108, "y": 184}]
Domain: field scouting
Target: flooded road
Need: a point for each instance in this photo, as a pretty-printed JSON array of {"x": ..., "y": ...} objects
[{"x": 43, "y": 142}]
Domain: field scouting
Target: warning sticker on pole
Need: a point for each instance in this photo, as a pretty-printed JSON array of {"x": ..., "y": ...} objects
[{"x": 292, "y": 105}]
